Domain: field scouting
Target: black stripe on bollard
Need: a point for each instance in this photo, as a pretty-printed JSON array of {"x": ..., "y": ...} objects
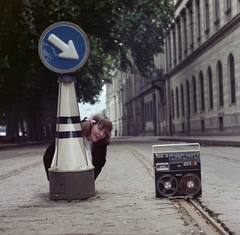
[
  {"x": 68, "y": 134},
  {"x": 68, "y": 120}
]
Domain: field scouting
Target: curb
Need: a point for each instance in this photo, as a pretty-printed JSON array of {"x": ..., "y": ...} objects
[
  {"x": 205, "y": 142},
  {"x": 8, "y": 146}
]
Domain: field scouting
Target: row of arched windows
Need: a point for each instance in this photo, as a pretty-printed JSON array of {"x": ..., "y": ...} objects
[
  {"x": 194, "y": 23},
  {"x": 183, "y": 95}
]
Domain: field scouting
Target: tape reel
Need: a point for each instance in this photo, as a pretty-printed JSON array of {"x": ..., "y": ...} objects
[
  {"x": 190, "y": 184},
  {"x": 167, "y": 185}
]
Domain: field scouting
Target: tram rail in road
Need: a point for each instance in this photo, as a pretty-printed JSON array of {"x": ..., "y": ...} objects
[
  {"x": 190, "y": 205},
  {"x": 24, "y": 168}
]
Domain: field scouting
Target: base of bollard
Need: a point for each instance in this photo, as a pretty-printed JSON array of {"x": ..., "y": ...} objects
[{"x": 71, "y": 185}]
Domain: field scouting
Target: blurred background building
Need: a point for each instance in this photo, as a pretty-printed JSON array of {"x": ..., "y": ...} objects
[{"x": 195, "y": 86}]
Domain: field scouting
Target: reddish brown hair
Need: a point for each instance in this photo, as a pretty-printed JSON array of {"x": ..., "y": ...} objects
[{"x": 101, "y": 120}]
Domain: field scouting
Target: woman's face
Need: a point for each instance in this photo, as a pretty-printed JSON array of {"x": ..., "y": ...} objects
[{"x": 97, "y": 133}]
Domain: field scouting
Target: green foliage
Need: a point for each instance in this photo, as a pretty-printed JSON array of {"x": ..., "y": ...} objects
[
  {"x": 128, "y": 29},
  {"x": 122, "y": 33}
]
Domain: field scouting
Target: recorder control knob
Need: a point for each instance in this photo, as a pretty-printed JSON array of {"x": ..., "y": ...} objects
[
  {"x": 184, "y": 157},
  {"x": 194, "y": 156},
  {"x": 172, "y": 157}
]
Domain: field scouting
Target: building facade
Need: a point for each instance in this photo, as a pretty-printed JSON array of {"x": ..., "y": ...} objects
[{"x": 195, "y": 88}]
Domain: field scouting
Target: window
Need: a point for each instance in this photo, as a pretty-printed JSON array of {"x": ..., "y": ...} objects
[
  {"x": 191, "y": 28},
  {"x": 169, "y": 51},
  {"x": 182, "y": 100},
  {"x": 143, "y": 116},
  {"x": 228, "y": 9},
  {"x": 202, "y": 92},
  {"x": 207, "y": 15},
  {"x": 148, "y": 111},
  {"x": 220, "y": 123},
  {"x": 210, "y": 86},
  {"x": 185, "y": 34},
  {"x": 173, "y": 114},
  {"x": 220, "y": 85},
  {"x": 232, "y": 80},
  {"x": 194, "y": 95},
  {"x": 228, "y": 4},
  {"x": 217, "y": 10},
  {"x": 183, "y": 128},
  {"x": 174, "y": 48},
  {"x": 188, "y": 97},
  {"x": 199, "y": 20},
  {"x": 177, "y": 102},
  {"x": 202, "y": 126},
  {"x": 179, "y": 41}
]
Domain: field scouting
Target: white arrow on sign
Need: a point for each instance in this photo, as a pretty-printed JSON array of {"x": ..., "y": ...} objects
[{"x": 68, "y": 51}]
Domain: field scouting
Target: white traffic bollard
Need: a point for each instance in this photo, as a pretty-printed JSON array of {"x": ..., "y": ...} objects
[{"x": 71, "y": 175}]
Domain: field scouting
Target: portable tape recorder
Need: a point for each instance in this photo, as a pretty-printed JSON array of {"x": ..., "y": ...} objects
[{"x": 177, "y": 170}]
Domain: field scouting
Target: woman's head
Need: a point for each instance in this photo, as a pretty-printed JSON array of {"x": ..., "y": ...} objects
[{"x": 98, "y": 128}]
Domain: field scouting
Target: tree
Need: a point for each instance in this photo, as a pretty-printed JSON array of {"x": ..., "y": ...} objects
[
  {"x": 16, "y": 34},
  {"x": 128, "y": 29},
  {"x": 121, "y": 33}
]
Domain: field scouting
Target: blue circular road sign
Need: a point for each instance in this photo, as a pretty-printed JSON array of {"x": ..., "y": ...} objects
[{"x": 63, "y": 47}]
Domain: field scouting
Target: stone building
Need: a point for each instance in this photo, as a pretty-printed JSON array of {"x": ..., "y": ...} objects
[{"x": 195, "y": 86}]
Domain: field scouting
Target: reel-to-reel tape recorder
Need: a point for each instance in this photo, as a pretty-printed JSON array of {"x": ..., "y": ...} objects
[{"x": 177, "y": 170}]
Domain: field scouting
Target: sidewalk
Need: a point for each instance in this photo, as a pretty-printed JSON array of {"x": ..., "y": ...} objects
[
  {"x": 202, "y": 140},
  {"x": 23, "y": 144},
  {"x": 205, "y": 140}
]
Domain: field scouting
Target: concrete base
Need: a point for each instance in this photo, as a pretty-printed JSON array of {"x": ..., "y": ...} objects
[{"x": 71, "y": 185}]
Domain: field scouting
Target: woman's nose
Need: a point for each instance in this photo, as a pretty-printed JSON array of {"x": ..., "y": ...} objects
[{"x": 101, "y": 133}]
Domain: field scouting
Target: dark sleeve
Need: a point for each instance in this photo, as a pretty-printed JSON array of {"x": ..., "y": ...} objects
[
  {"x": 98, "y": 157},
  {"x": 48, "y": 157}
]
